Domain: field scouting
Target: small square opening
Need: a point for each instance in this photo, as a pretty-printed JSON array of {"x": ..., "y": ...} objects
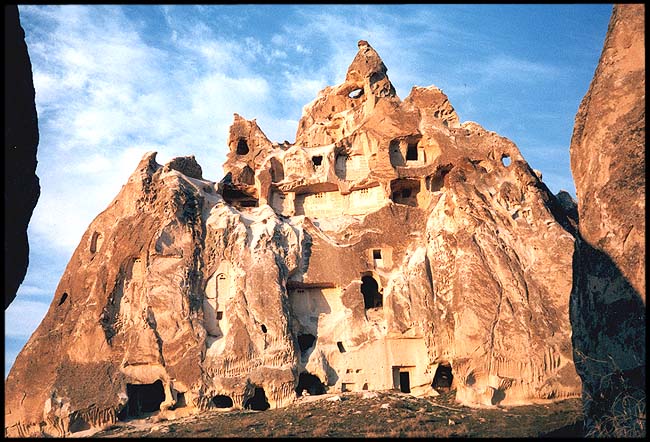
[{"x": 376, "y": 254}]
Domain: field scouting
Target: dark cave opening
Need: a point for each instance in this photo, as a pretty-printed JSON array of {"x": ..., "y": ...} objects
[
  {"x": 443, "y": 379},
  {"x": 258, "y": 401},
  {"x": 311, "y": 383},
  {"x": 242, "y": 146},
  {"x": 404, "y": 382},
  {"x": 305, "y": 342},
  {"x": 412, "y": 152},
  {"x": 142, "y": 398},
  {"x": 222, "y": 401},
  {"x": 370, "y": 290}
]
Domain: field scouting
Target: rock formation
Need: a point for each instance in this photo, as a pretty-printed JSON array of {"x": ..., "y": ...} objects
[
  {"x": 21, "y": 190},
  {"x": 390, "y": 246},
  {"x": 608, "y": 165}
]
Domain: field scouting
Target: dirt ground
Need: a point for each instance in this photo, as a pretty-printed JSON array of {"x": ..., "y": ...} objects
[{"x": 367, "y": 414}]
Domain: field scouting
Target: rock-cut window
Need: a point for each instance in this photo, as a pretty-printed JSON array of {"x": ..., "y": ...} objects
[
  {"x": 242, "y": 146},
  {"x": 412, "y": 152}
]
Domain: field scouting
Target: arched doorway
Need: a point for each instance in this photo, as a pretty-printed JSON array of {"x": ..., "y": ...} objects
[
  {"x": 222, "y": 401},
  {"x": 143, "y": 398},
  {"x": 443, "y": 379},
  {"x": 311, "y": 383},
  {"x": 370, "y": 290},
  {"x": 258, "y": 401}
]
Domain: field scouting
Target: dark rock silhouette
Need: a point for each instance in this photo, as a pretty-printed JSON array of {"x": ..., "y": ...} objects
[{"x": 21, "y": 189}]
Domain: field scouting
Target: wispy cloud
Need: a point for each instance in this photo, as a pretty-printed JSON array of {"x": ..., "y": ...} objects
[
  {"x": 32, "y": 290},
  {"x": 508, "y": 67},
  {"x": 24, "y": 317},
  {"x": 103, "y": 93}
]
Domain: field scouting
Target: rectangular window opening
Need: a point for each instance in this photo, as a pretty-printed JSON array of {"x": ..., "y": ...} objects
[{"x": 412, "y": 152}]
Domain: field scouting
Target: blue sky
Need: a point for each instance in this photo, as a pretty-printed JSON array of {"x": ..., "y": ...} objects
[{"x": 113, "y": 82}]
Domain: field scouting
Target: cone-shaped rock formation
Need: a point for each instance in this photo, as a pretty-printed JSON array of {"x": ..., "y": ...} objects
[{"x": 390, "y": 246}]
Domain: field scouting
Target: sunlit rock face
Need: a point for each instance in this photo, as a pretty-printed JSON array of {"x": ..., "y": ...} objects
[
  {"x": 389, "y": 247},
  {"x": 608, "y": 165}
]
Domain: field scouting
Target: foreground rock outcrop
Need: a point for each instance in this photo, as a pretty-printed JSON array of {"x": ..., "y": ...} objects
[
  {"x": 608, "y": 298},
  {"x": 21, "y": 188},
  {"x": 389, "y": 247}
]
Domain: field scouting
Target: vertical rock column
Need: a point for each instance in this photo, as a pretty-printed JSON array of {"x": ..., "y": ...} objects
[{"x": 607, "y": 305}]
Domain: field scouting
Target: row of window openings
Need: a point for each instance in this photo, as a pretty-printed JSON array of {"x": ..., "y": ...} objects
[
  {"x": 411, "y": 153},
  {"x": 322, "y": 194},
  {"x": 147, "y": 398},
  {"x": 404, "y": 193}
]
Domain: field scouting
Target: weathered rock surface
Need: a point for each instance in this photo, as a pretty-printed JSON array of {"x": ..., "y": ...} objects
[
  {"x": 389, "y": 247},
  {"x": 608, "y": 165},
  {"x": 21, "y": 188}
]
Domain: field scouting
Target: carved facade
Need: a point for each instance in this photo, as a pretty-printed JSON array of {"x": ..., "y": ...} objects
[{"x": 389, "y": 247}]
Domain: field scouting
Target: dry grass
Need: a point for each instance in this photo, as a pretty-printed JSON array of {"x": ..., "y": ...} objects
[
  {"x": 320, "y": 431},
  {"x": 452, "y": 431},
  {"x": 627, "y": 418}
]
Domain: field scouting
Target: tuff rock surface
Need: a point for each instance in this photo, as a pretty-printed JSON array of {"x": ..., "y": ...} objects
[
  {"x": 608, "y": 166},
  {"x": 390, "y": 246},
  {"x": 21, "y": 187}
]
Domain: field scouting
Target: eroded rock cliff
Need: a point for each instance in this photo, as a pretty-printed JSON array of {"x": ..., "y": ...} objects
[
  {"x": 390, "y": 246},
  {"x": 21, "y": 187},
  {"x": 608, "y": 165}
]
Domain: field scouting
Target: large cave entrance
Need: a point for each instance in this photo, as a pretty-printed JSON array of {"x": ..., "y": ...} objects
[
  {"x": 258, "y": 401},
  {"x": 222, "y": 401},
  {"x": 443, "y": 379},
  {"x": 311, "y": 383},
  {"x": 142, "y": 398}
]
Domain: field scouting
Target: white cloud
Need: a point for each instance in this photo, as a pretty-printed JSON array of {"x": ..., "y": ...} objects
[
  {"x": 26, "y": 289},
  {"x": 302, "y": 89},
  {"x": 24, "y": 317},
  {"x": 512, "y": 68},
  {"x": 302, "y": 50}
]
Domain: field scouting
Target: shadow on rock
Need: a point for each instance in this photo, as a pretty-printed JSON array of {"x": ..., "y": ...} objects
[{"x": 608, "y": 322}]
